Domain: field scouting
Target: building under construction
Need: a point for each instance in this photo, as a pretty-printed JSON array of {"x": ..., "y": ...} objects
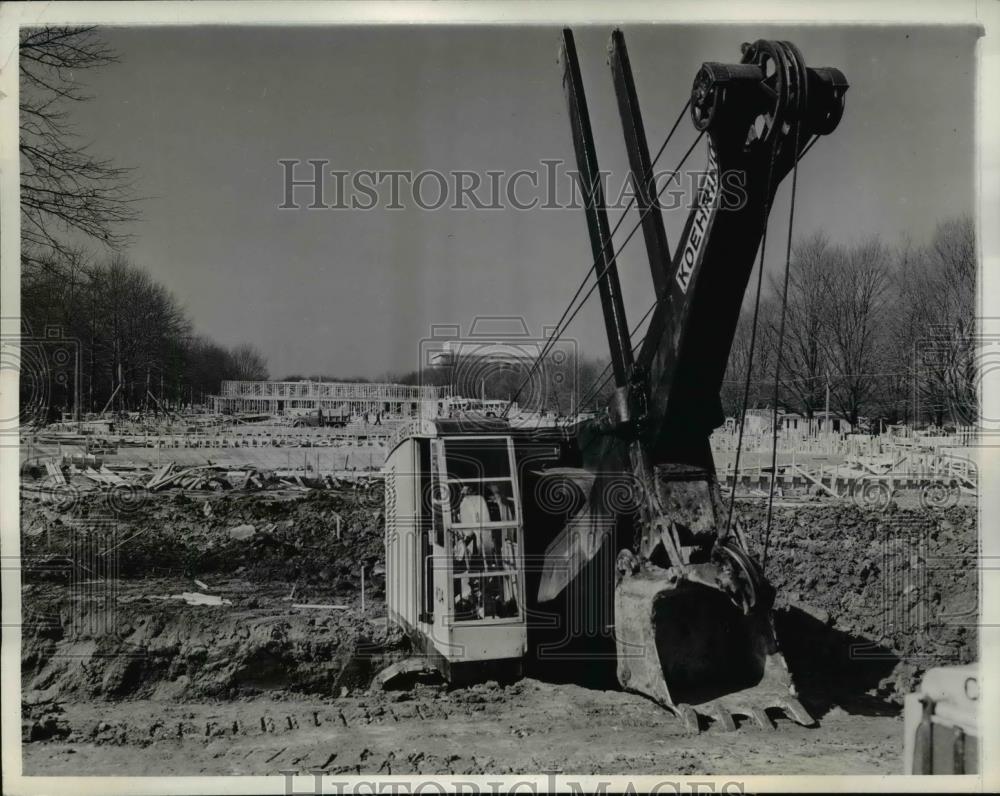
[{"x": 359, "y": 398}]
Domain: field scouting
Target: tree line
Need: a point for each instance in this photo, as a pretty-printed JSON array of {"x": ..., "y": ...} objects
[
  {"x": 97, "y": 331},
  {"x": 882, "y": 334},
  {"x": 563, "y": 383},
  {"x": 134, "y": 346}
]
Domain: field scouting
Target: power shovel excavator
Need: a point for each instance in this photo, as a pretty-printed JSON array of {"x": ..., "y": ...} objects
[
  {"x": 692, "y": 620},
  {"x": 692, "y": 607}
]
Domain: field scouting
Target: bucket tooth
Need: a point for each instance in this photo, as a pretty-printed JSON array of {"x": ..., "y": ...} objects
[
  {"x": 689, "y": 717},
  {"x": 761, "y": 719},
  {"x": 794, "y": 710},
  {"x": 724, "y": 718}
]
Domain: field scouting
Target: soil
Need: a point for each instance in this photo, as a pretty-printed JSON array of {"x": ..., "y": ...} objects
[
  {"x": 252, "y": 684},
  {"x": 530, "y": 726},
  {"x": 872, "y": 599}
]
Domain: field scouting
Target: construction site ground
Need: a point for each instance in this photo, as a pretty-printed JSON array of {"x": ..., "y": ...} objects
[
  {"x": 530, "y": 727},
  {"x": 196, "y": 655}
]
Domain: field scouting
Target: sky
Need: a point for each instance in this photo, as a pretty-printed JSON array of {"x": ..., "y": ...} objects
[{"x": 206, "y": 114}]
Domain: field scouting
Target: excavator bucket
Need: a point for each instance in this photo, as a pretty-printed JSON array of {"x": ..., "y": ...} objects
[{"x": 683, "y": 642}]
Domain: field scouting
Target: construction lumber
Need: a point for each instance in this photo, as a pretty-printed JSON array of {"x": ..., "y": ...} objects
[
  {"x": 111, "y": 477},
  {"x": 55, "y": 473},
  {"x": 177, "y": 476},
  {"x": 160, "y": 474},
  {"x": 816, "y": 481}
]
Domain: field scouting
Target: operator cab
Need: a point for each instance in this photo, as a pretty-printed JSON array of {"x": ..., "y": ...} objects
[{"x": 455, "y": 543}]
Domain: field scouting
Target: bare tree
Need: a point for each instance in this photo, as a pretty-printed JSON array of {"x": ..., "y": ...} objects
[
  {"x": 937, "y": 323},
  {"x": 65, "y": 189},
  {"x": 854, "y": 327},
  {"x": 248, "y": 364},
  {"x": 595, "y": 384},
  {"x": 138, "y": 324},
  {"x": 804, "y": 366},
  {"x": 206, "y": 364},
  {"x": 760, "y": 360}
]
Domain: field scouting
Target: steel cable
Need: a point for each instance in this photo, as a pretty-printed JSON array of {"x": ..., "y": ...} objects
[
  {"x": 777, "y": 364},
  {"x": 620, "y": 249},
  {"x": 557, "y": 332}
]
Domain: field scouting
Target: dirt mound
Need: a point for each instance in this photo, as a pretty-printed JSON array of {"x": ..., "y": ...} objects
[
  {"x": 292, "y": 539},
  {"x": 867, "y": 600},
  {"x": 102, "y": 618},
  {"x": 165, "y": 649},
  {"x": 43, "y": 719},
  {"x": 872, "y": 598}
]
